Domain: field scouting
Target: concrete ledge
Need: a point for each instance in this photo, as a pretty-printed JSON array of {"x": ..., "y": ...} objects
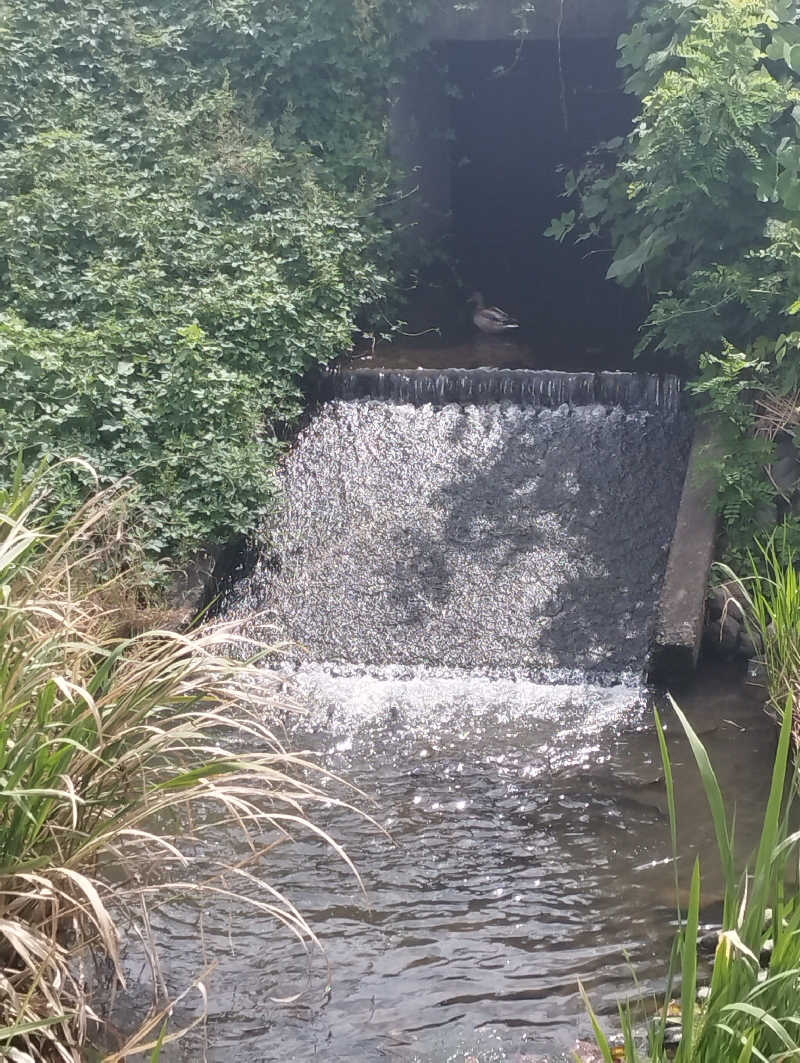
[
  {"x": 679, "y": 618},
  {"x": 498, "y": 20}
]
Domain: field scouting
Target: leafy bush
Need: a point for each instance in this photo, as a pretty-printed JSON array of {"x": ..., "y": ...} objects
[
  {"x": 190, "y": 221},
  {"x": 701, "y": 202},
  {"x": 745, "y": 497}
]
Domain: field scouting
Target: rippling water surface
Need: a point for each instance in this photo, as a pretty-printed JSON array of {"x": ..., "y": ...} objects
[
  {"x": 467, "y": 593},
  {"x": 499, "y": 537},
  {"x": 527, "y": 847}
]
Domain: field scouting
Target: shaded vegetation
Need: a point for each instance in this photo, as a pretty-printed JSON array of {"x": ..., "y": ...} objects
[
  {"x": 192, "y": 218},
  {"x": 701, "y": 203}
]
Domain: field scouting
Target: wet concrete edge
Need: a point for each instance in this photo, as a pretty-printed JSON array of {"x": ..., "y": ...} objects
[{"x": 679, "y": 620}]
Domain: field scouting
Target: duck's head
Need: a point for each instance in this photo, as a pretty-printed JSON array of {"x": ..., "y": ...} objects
[{"x": 477, "y": 299}]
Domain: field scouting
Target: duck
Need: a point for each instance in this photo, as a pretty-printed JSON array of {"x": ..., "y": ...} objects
[{"x": 491, "y": 319}]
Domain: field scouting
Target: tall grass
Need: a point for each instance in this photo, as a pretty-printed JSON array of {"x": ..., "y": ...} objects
[
  {"x": 751, "y": 1011},
  {"x": 770, "y": 596},
  {"x": 107, "y": 742}
]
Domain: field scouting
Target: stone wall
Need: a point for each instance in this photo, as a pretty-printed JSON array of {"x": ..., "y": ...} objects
[
  {"x": 495, "y": 19},
  {"x": 420, "y": 108},
  {"x": 727, "y": 633},
  {"x": 420, "y": 117}
]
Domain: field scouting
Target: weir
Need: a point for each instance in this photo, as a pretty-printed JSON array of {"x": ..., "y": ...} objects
[
  {"x": 492, "y": 519},
  {"x": 459, "y": 585},
  {"x": 527, "y": 387}
]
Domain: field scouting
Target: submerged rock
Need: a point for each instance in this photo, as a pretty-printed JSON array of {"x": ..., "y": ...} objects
[
  {"x": 724, "y": 634},
  {"x": 708, "y": 942},
  {"x": 724, "y": 600},
  {"x": 728, "y": 633}
]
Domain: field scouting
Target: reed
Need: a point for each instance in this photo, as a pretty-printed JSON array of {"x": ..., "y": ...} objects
[
  {"x": 770, "y": 596},
  {"x": 752, "y": 1007},
  {"x": 107, "y": 743}
]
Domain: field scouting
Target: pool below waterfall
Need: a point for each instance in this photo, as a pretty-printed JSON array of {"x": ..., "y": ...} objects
[{"x": 463, "y": 593}]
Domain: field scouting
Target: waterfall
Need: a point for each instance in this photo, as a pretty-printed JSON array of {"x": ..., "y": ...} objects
[
  {"x": 526, "y": 387},
  {"x": 490, "y": 519},
  {"x": 458, "y": 582}
]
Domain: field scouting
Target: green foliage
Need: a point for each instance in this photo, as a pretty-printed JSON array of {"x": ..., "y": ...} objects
[
  {"x": 701, "y": 202},
  {"x": 750, "y": 1011},
  {"x": 734, "y": 388},
  {"x": 768, "y": 585},
  {"x": 190, "y": 221},
  {"x": 701, "y": 199},
  {"x": 745, "y": 497}
]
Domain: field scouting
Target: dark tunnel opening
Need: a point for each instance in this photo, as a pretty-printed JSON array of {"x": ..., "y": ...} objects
[
  {"x": 495, "y": 125},
  {"x": 518, "y": 116}
]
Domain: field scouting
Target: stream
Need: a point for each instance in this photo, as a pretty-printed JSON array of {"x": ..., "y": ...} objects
[
  {"x": 463, "y": 593},
  {"x": 528, "y": 847}
]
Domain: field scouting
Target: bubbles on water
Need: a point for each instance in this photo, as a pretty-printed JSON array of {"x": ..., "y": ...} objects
[{"x": 434, "y": 715}]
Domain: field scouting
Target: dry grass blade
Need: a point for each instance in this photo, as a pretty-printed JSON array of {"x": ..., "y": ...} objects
[
  {"x": 107, "y": 735},
  {"x": 777, "y": 413},
  {"x": 141, "y": 1041}
]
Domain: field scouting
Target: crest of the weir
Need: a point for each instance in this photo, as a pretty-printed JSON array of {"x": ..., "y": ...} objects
[
  {"x": 528, "y": 387},
  {"x": 493, "y": 520}
]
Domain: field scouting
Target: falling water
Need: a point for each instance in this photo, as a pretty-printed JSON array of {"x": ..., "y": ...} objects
[
  {"x": 459, "y": 582},
  {"x": 506, "y": 536},
  {"x": 527, "y": 387}
]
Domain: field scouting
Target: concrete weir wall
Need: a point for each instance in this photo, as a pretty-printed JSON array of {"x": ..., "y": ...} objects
[{"x": 681, "y": 610}]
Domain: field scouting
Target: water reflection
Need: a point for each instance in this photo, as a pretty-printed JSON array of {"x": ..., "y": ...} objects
[
  {"x": 508, "y": 875},
  {"x": 477, "y": 351},
  {"x": 469, "y": 352}
]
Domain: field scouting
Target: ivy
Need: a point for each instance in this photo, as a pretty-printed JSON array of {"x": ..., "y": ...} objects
[{"x": 191, "y": 220}]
